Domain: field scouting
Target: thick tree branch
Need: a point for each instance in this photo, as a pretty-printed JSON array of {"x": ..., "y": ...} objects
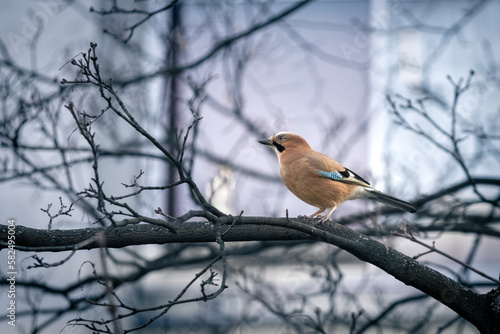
[
  {"x": 130, "y": 234},
  {"x": 470, "y": 305}
]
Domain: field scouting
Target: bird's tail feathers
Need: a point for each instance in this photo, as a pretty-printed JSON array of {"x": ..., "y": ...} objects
[{"x": 389, "y": 200}]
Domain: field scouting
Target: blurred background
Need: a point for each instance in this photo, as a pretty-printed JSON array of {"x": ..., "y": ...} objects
[{"x": 405, "y": 93}]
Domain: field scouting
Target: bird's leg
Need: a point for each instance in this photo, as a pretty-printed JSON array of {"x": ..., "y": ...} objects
[
  {"x": 331, "y": 211},
  {"x": 316, "y": 213},
  {"x": 327, "y": 217}
]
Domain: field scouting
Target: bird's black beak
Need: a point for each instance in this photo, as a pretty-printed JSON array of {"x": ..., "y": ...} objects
[{"x": 266, "y": 142}]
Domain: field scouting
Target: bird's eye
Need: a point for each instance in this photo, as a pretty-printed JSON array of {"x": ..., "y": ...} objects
[{"x": 281, "y": 137}]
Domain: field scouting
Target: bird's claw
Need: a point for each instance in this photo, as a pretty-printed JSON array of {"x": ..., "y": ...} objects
[
  {"x": 318, "y": 219},
  {"x": 322, "y": 219}
]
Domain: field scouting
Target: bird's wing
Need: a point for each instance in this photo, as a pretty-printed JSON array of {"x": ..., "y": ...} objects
[
  {"x": 331, "y": 169},
  {"x": 350, "y": 176}
]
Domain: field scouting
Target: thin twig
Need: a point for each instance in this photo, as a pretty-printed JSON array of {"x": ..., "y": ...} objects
[{"x": 408, "y": 234}]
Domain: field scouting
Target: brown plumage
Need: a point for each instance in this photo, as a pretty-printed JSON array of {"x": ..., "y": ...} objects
[{"x": 319, "y": 180}]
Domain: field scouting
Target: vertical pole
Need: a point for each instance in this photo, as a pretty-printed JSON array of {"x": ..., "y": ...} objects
[{"x": 172, "y": 92}]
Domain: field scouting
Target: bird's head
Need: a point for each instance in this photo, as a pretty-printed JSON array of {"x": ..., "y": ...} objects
[{"x": 285, "y": 142}]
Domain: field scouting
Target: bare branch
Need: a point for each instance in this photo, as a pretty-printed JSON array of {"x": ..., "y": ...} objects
[{"x": 408, "y": 234}]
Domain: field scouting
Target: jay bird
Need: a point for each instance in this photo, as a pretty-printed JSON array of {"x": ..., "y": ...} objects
[{"x": 321, "y": 181}]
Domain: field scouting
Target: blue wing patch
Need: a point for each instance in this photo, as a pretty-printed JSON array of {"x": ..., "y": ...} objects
[{"x": 335, "y": 176}]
